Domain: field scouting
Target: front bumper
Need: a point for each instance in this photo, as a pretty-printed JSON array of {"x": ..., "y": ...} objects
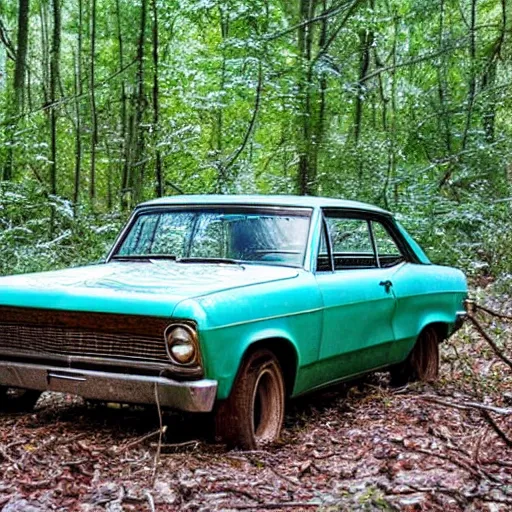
[
  {"x": 194, "y": 396},
  {"x": 459, "y": 321}
]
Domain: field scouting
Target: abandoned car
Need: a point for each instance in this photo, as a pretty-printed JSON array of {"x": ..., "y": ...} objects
[{"x": 231, "y": 304}]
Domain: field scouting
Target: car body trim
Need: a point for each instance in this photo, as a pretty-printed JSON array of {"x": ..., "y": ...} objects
[
  {"x": 159, "y": 209},
  {"x": 193, "y": 396},
  {"x": 461, "y": 317},
  {"x": 274, "y": 317},
  {"x": 74, "y": 361}
]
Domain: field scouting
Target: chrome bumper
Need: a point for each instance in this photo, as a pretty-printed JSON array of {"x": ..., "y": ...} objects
[{"x": 194, "y": 396}]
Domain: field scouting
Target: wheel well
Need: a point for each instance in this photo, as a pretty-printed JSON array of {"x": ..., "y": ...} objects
[
  {"x": 440, "y": 328},
  {"x": 286, "y": 355}
]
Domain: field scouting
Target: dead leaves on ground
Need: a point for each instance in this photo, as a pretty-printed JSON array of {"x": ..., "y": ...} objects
[{"x": 368, "y": 447}]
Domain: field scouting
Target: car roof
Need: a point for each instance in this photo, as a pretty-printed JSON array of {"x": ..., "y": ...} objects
[{"x": 263, "y": 200}]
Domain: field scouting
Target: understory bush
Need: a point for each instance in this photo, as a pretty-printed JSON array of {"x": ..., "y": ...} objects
[{"x": 42, "y": 232}]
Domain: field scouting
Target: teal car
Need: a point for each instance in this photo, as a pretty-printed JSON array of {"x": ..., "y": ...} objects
[{"x": 231, "y": 304}]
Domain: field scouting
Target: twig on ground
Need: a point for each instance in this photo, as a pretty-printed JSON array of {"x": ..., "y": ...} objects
[
  {"x": 38, "y": 484},
  {"x": 161, "y": 433},
  {"x": 269, "y": 466},
  {"x": 16, "y": 443},
  {"x": 499, "y": 353},
  {"x": 194, "y": 442},
  {"x": 468, "y": 405},
  {"x": 497, "y": 428},
  {"x": 457, "y": 495},
  {"x": 493, "y": 313},
  {"x": 476, "y": 451},
  {"x": 77, "y": 462},
  {"x": 478, "y": 472},
  {"x": 137, "y": 441},
  {"x": 6, "y": 456},
  {"x": 240, "y": 492},
  {"x": 287, "y": 504},
  {"x": 151, "y": 501}
]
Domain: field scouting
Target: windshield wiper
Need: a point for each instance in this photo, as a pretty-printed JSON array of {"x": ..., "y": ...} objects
[
  {"x": 172, "y": 257},
  {"x": 228, "y": 261},
  {"x": 144, "y": 257}
]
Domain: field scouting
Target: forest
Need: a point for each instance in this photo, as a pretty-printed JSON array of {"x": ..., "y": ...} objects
[
  {"x": 406, "y": 104},
  {"x": 106, "y": 103}
]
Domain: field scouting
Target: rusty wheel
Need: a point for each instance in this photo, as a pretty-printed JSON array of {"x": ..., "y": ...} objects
[
  {"x": 422, "y": 364},
  {"x": 253, "y": 414}
]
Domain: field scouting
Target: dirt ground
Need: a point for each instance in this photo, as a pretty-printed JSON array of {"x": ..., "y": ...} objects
[{"x": 446, "y": 446}]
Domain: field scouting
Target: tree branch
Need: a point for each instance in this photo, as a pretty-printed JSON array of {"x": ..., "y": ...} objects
[
  {"x": 335, "y": 34},
  {"x": 499, "y": 353},
  {"x": 329, "y": 13},
  {"x": 416, "y": 60},
  {"x": 4, "y": 38},
  {"x": 232, "y": 159},
  {"x": 67, "y": 99},
  {"x": 493, "y": 313},
  {"x": 504, "y": 437},
  {"x": 468, "y": 405}
]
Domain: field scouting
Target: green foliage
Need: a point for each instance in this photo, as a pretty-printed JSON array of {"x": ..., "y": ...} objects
[
  {"x": 399, "y": 103},
  {"x": 40, "y": 232}
]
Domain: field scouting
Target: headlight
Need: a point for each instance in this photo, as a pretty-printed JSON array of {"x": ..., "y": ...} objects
[{"x": 181, "y": 344}]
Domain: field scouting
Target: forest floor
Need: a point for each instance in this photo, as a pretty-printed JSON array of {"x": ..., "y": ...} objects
[{"x": 361, "y": 447}]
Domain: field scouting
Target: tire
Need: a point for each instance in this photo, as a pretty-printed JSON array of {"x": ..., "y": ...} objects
[
  {"x": 422, "y": 364},
  {"x": 253, "y": 414},
  {"x": 18, "y": 400}
]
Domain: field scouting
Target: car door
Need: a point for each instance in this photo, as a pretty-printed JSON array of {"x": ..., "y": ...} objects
[{"x": 357, "y": 294}]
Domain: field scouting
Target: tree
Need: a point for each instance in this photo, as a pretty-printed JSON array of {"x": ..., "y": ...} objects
[
  {"x": 402, "y": 103},
  {"x": 94, "y": 117},
  {"x": 54, "y": 87},
  {"x": 21, "y": 54},
  {"x": 159, "y": 180}
]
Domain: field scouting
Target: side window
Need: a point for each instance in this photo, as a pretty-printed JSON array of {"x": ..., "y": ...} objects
[
  {"x": 388, "y": 252},
  {"x": 351, "y": 243}
]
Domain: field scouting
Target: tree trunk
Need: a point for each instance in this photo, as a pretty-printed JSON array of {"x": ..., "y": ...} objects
[
  {"x": 489, "y": 78},
  {"x": 45, "y": 60},
  {"x": 136, "y": 163},
  {"x": 472, "y": 74},
  {"x": 321, "y": 107},
  {"x": 366, "y": 39},
  {"x": 19, "y": 82},
  {"x": 306, "y": 172},
  {"x": 54, "y": 84},
  {"x": 78, "y": 117},
  {"x": 94, "y": 119},
  {"x": 21, "y": 53},
  {"x": 365, "y": 44},
  {"x": 158, "y": 158},
  {"x": 124, "y": 145},
  {"x": 442, "y": 84},
  {"x": 219, "y": 128}
]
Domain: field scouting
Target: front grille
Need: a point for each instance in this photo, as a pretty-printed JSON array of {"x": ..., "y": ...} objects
[
  {"x": 55, "y": 341},
  {"x": 49, "y": 333}
]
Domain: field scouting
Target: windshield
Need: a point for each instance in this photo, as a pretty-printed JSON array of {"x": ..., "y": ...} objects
[{"x": 219, "y": 234}]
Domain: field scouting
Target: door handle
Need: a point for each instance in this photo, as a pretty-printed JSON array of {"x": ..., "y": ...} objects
[{"x": 387, "y": 285}]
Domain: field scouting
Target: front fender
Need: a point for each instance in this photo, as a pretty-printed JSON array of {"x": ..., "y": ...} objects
[
  {"x": 223, "y": 348},
  {"x": 230, "y": 322}
]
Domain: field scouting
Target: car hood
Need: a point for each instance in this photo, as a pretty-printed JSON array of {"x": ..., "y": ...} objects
[{"x": 152, "y": 288}]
